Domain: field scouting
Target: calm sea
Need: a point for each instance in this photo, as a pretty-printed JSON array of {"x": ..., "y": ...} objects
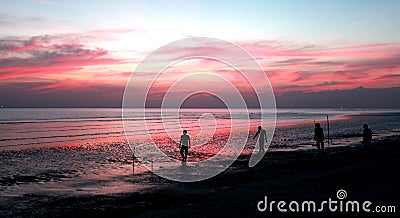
[{"x": 21, "y": 127}]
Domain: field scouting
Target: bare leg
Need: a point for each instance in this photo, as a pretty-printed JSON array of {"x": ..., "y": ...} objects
[
  {"x": 261, "y": 145},
  {"x": 186, "y": 153},
  {"x": 322, "y": 147},
  {"x": 319, "y": 147},
  {"x": 181, "y": 151}
]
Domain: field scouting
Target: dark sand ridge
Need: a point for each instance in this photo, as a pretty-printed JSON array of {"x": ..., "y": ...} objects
[{"x": 289, "y": 175}]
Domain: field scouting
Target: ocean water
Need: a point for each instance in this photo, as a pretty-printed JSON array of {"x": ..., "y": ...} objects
[
  {"x": 91, "y": 155},
  {"x": 30, "y": 127}
]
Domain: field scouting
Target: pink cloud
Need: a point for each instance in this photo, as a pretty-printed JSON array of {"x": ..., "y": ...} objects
[
  {"x": 274, "y": 49},
  {"x": 46, "y": 55},
  {"x": 310, "y": 67},
  {"x": 316, "y": 68},
  {"x": 111, "y": 34},
  {"x": 289, "y": 66}
]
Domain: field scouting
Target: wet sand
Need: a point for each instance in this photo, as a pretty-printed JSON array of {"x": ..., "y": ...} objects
[{"x": 281, "y": 175}]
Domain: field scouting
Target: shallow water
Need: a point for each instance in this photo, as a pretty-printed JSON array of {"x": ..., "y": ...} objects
[
  {"x": 34, "y": 127},
  {"x": 104, "y": 165}
]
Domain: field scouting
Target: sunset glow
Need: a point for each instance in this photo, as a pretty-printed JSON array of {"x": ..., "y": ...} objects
[{"x": 84, "y": 52}]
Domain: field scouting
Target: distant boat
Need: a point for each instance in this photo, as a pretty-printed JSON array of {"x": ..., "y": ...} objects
[{"x": 1, "y": 106}]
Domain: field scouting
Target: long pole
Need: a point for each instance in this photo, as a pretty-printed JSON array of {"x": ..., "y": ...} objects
[
  {"x": 133, "y": 159},
  {"x": 327, "y": 121}
]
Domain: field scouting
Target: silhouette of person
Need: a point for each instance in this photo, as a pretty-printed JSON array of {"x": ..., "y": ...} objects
[
  {"x": 261, "y": 138},
  {"x": 184, "y": 144},
  {"x": 367, "y": 136},
  {"x": 319, "y": 138}
]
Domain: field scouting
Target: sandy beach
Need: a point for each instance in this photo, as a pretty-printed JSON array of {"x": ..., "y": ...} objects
[
  {"x": 98, "y": 179},
  {"x": 297, "y": 175}
]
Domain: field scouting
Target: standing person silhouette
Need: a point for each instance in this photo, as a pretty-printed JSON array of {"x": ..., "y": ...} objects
[
  {"x": 367, "y": 136},
  {"x": 319, "y": 138},
  {"x": 261, "y": 138},
  {"x": 184, "y": 144}
]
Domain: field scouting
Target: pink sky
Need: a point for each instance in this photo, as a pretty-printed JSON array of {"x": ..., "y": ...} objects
[
  {"x": 56, "y": 49},
  {"x": 50, "y": 63}
]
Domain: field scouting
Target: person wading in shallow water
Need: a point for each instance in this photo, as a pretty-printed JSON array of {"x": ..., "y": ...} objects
[
  {"x": 184, "y": 144},
  {"x": 261, "y": 138},
  {"x": 319, "y": 138}
]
